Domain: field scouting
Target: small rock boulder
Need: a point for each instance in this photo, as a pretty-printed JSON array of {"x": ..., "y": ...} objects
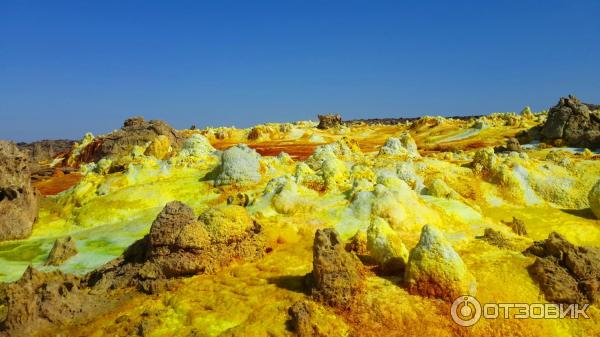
[
  {"x": 62, "y": 250},
  {"x": 517, "y": 226},
  {"x": 435, "y": 270},
  {"x": 336, "y": 275},
  {"x": 512, "y": 145},
  {"x": 18, "y": 198},
  {"x": 565, "y": 273}
]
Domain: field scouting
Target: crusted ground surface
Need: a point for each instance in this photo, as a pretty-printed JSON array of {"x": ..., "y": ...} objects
[{"x": 487, "y": 197}]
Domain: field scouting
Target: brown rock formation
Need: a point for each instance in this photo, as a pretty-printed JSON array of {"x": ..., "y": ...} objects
[
  {"x": 62, "y": 250},
  {"x": 18, "y": 198},
  {"x": 336, "y": 275},
  {"x": 329, "y": 121},
  {"x": 517, "y": 226},
  {"x": 38, "y": 301},
  {"x": 565, "y": 273},
  {"x": 179, "y": 245},
  {"x": 512, "y": 145},
  {"x": 573, "y": 122}
]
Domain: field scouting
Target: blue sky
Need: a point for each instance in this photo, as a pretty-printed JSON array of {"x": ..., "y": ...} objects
[{"x": 77, "y": 66}]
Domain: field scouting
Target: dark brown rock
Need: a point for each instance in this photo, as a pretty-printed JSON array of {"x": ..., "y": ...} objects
[
  {"x": 496, "y": 238},
  {"x": 574, "y": 123},
  {"x": 38, "y": 301},
  {"x": 18, "y": 198},
  {"x": 336, "y": 275},
  {"x": 565, "y": 273},
  {"x": 240, "y": 199},
  {"x": 517, "y": 226},
  {"x": 62, "y": 250},
  {"x": 512, "y": 145},
  {"x": 301, "y": 319},
  {"x": 329, "y": 121}
]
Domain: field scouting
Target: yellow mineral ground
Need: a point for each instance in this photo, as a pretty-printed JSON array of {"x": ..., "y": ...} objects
[{"x": 338, "y": 178}]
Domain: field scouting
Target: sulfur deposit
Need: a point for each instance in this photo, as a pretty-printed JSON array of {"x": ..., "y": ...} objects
[{"x": 342, "y": 228}]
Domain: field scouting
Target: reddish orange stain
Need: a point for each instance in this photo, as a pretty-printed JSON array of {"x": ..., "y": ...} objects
[{"x": 57, "y": 184}]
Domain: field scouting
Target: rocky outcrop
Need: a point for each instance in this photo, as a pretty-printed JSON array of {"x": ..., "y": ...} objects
[
  {"x": 239, "y": 166},
  {"x": 435, "y": 270},
  {"x": 18, "y": 198},
  {"x": 62, "y": 250},
  {"x": 565, "y": 273},
  {"x": 180, "y": 245},
  {"x": 38, "y": 301},
  {"x": 135, "y": 132},
  {"x": 336, "y": 275},
  {"x": 329, "y": 121},
  {"x": 574, "y": 123},
  {"x": 594, "y": 199}
]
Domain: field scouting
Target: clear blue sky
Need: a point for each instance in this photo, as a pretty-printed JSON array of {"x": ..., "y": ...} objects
[{"x": 77, "y": 66}]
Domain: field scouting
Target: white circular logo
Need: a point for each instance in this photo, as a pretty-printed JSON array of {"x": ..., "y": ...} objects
[{"x": 465, "y": 310}]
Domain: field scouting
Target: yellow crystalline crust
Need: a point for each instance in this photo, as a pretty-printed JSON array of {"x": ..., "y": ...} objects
[{"x": 349, "y": 189}]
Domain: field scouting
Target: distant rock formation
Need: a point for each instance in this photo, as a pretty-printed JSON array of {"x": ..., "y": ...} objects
[
  {"x": 135, "y": 132},
  {"x": 565, "y": 273},
  {"x": 329, "y": 121},
  {"x": 574, "y": 123},
  {"x": 18, "y": 198},
  {"x": 593, "y": 107},
  {"x": 45, "y": 150}
]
